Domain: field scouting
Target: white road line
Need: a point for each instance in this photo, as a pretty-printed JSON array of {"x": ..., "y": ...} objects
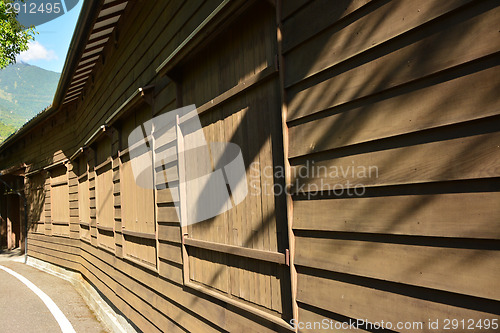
[{"x": 61, "y": 319}]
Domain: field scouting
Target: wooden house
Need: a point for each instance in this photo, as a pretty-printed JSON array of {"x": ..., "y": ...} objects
[{"x": 370, "y": 132}]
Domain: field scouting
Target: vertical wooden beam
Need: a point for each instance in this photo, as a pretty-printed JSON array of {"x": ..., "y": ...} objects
[
  {"x": 182, "y": 199},
  {"x": 151, "y": 101},
  {"x": 116, "y": 167},
  {"x": 288, "y": 180}
]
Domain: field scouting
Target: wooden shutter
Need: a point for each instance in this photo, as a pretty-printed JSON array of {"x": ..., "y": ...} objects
[
  {"x": 240, "y": 253},
  {"x": 37, "y": 203},
  {"x": 59, "y": 201},
  {"x": 137, "y": 202}
]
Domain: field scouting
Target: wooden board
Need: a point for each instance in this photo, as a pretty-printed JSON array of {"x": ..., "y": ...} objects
[
  {"x": 453, "y": 159},
  {"x": 410, "y": 109},
  {"x": 424, "y": 263},
  {"x": 374, "y": 305},
  {"x": 465, "y": 215},
  {"x": 348, "y": 80}
]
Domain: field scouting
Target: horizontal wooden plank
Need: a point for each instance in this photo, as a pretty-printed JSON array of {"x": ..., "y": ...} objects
[
  {"x": 402, "y": 61},
  {"x": 145, "y": 295},
  {"x": 170, "y": 252},
  {"x": 164, "y": 196},
  {"x": 166, "y": 174},
  {"x": 469, "y": 157},
  {"x": 167, "y": 214},
  {"x": 100, "y": 271},
  {"x": 169, "y": 233},
  {"x": 170, "y": 271},
  {"x": 315, "y": 17},
  {"x": 138, "y": 234},
  {"x": 127, "y": 309},
  {"x": 198, "y": 305},
  {"x": 105, "y": 228},
  {"x": 374, "y": 305},
  {"x": 419, "y": 265},
  {"x": 456, "y": 95},
  {"x": 467, "y": 215},
  {"x": 60, "y": 223},
  {"x": 256, "y": 254},
  {"x": 356, "y": 35},
  {"x": 54, "y": 260},
  {"x": 55, "y": 241},
  {"x": 55, "y": 253}
]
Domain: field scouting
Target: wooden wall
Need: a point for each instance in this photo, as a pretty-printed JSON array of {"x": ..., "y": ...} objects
[
  {"x": 394, "y": 99},
  {"x": 407, "y": 88},
  {"x": 137, "y": 265}
]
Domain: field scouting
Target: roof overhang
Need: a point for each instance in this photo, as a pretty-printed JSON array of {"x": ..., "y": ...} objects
[{"x": 93, "y": 31}]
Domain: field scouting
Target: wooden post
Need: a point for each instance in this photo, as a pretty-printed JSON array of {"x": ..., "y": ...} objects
[
  {"x": 9, "y": 223},
  {"x": 182, "y": 198},
  {"x": 289, "y": 202}
]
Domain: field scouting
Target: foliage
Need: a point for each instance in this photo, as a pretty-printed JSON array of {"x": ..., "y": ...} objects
[
  {"x": 5, "y": 131},
  {"x": 14, "y": 37}
]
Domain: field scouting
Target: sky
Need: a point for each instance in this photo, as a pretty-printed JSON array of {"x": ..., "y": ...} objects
[{"x": 51, "y": 44}]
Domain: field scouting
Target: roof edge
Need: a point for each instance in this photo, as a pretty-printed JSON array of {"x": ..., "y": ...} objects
[{"x": 83, "y": 27}]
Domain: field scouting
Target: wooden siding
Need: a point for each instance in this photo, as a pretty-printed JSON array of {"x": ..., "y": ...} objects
[
  {"x": 59, "y": 194},
  {"x": 136, "y": 202},
  {"x": 36, "y": 199},
  {"x": 250, "y": 119},
  {"x": 153, "y": 299},
  {"x": 394, "y": 99}
]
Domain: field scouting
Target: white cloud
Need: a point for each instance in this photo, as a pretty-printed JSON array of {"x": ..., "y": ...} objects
[{"x": 36, "y": 51}]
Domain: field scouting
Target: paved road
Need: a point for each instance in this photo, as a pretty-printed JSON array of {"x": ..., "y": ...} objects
[{"x": 21, "y": 310}]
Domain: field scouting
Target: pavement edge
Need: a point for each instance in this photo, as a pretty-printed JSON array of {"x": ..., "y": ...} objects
[{"x": 112, "y": 321}]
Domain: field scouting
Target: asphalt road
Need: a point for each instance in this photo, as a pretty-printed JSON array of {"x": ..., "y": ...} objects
[{"x": 22, "y": 310}]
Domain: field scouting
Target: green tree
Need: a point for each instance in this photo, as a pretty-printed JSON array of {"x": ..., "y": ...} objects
[{"x": 14, "y": 37}]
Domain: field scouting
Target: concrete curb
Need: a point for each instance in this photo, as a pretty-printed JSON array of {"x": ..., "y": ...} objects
[{"x": 112, "y": 321}]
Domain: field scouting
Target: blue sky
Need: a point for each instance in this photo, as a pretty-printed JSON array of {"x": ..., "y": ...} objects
[{"x": 51, "y": 44}]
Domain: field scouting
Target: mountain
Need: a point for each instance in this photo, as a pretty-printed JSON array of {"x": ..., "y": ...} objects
[
  {"x": 5, "y": 131},
  {"x": 25, "y": 90}
]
